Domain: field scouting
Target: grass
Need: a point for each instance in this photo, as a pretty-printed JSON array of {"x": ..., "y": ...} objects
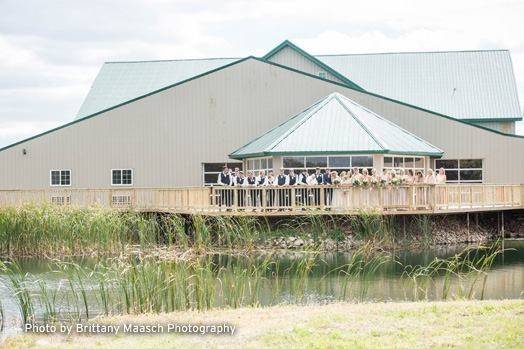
[
  {"x": 460, "y": 275},
  {"x": 146, "y": 284},
  {"x": 134, "y": 285},
  {"x": 460, "y": 324}
]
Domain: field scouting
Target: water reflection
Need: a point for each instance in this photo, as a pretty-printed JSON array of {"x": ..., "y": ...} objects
[{"x": 326, "y": 282}]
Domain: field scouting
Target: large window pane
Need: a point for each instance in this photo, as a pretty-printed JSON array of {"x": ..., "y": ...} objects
[
  {"x": 471, "y": 175},
  {"x": 473, "y": 163},
  {"x": 398, "y": 162},
  {"x": 316, "y": 161},
  {"x": 419, "y": 162},
  {"x": 409, "y": 163},
  {"x": 362, "y": 161},
  {"x": 127, "y": 177},
  {"x": 293, "y": 162},
  {"x": 210, "y": 178},
  {"x": 446, "y": 164},
  {"x": 339, "y": 161},
  {"x": 388, "y": 161},
  {"x": 452, "y": 175},
  {"x": 212, "y": 169},
  {"x": 270, "y": 163},
  {"x": 55, "y": 177}
]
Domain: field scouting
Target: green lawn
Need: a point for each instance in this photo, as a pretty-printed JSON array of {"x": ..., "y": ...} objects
[{"x": 464, "y": 324}]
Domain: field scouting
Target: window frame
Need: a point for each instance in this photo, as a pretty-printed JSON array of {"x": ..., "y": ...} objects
[
  {"x": 458, "y": 169},
  {"x": 413, "y": 158},
  {"x": 122, "y": 177},
  {"x": 60, "y": 177},
  {"x": 259, "y": 160},
  {"x": 328, "y": 162},
  {"x": 204, "y": 172}
]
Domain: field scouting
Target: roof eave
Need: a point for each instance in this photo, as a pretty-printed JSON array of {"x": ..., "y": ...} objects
[
  {"x": 508, "y": 119},
  {"x": 334, "y": 152}
]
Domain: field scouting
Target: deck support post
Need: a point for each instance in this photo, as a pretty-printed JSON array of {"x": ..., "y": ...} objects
[
  {"x": 404, "y": 226},
  {"x": 467, "y": 219},
  {"x": 502, "y": 224}
]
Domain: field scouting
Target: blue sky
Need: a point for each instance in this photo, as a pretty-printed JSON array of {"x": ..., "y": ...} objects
[{"x": 51, "y": 50}]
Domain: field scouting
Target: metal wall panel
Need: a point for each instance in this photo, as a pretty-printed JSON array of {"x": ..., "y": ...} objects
[{"x": 167, "y": 136}]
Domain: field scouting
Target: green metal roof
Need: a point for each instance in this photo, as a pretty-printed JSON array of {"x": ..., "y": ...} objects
[
  {"x": 118, "y": 82},
  {"x": 314, "y": 60},
  {"x": 336, "y": 125},
  {"x": 468, "y": 85}
]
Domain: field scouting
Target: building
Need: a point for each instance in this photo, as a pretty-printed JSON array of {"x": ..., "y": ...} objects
[
  {"x": 338, "y": 134},
  {"x": 173, "y": 123}
]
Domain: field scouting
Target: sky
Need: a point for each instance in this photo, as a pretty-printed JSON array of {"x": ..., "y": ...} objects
[{"x": 51, "y": 51}]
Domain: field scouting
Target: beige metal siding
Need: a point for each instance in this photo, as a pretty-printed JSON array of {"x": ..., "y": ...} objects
[
  {"x": 502, "y": 126},
  {"x": 290, "y": 58},
  {"x": 167, "y": 136}
]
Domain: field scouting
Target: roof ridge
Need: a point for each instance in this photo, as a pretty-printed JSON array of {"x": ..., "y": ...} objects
[
  {"x": 314, "y": 60},
  {"x": 392, "y": 123},
  {"x": 309, "y": 113},
  {"x": 281, "y": 124},
  {"x": 408, "y": 52},
  {"x": 171, "y": 60},
  {"x": 368, "y": 131}
]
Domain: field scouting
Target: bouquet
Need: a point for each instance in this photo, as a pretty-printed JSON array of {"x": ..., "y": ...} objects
[
  {"x": 365, "y": 182},
  {"x": 374, "y": 182},
  {"x": 357, "y": 182},
  {"x": 396, "y": 181}
]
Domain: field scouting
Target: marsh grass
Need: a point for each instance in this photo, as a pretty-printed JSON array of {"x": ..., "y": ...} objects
[
  {"x": 371, "y": 226},
  {"x": 459, "y": 275},
  {"x": 138, "y": 285},
  {"x": 57, "y": 230}
]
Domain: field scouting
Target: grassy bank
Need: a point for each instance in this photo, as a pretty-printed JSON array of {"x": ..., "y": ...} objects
[
  {"x": 56, "y": 231},
  {"x": 464, "y": 324}
]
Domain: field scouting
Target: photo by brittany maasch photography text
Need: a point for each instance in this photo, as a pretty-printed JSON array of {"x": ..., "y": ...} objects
[{"x": 114, "y": 329}]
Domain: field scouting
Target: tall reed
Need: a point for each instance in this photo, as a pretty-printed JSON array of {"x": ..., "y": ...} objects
[{"x": 458, "y": 275}]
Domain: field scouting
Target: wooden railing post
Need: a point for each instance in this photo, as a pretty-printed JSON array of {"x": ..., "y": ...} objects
[
  {"x": 321, "y": 197},
  {"x": 411, "y": 197},
  {"x": 293, "y": 199},
  {"x": 263, "y": 199},
  {"x": 521, "y": 203}
]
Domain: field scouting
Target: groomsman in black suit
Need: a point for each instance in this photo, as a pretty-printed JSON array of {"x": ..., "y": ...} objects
[
  {"x": 316, "y": 191},
  {"x": 283, "y": 195},
  {"x": 251, "y": 181},
  {"x": 224, "y": 179},
  {"x": 326, "y": 178},
  {"x": 240, "y": 183},
  {"x": 303, "y": 191}
]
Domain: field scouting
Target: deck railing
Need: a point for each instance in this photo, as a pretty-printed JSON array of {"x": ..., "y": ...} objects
[{"x": 291, "y": 199}]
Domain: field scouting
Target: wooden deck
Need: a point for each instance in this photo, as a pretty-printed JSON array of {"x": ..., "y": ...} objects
[{"x": 296, "y": 200}]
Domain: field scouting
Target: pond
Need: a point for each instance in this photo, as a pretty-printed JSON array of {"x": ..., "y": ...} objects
[{"x": 96, "y": 287}]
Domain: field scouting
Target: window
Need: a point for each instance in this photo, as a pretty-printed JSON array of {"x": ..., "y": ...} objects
[
  {"x": 293, "y": 162},
  {"x": 414, "y": 163},
  {"x": 60, "y": 178},
  {"x": 259, "y": 164},
  {"x": 316, "y": 161},
  {"x": 211, "y": 170},
  {"x": 461, "y": 171},
  {"x": 322, "y": 74},
  {"x": 335, "y": 162},
  {"x": 122, "y": 177}
]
